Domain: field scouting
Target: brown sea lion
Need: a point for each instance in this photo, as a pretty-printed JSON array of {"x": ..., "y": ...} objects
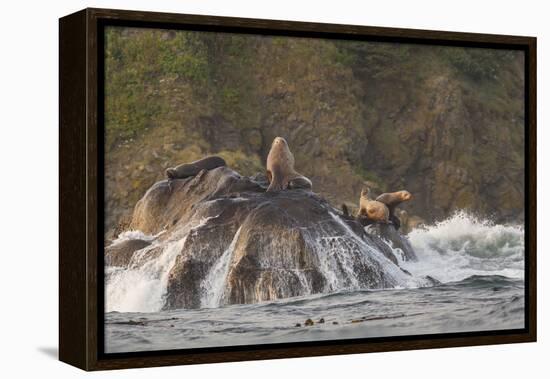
[
  {"x": 392, "y": 200},
  {"x": 186, "y": 170},
  {"x": 372, "y": 210},
  {"x": 280, "y": 168}
]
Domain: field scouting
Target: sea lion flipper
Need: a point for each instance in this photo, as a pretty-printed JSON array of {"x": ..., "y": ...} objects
[
  {"x": 395, "y": 221},
  {"x": 277, "y": 184}
]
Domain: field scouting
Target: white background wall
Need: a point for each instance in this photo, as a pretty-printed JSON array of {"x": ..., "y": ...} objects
[{"x": 28, "y": 201}]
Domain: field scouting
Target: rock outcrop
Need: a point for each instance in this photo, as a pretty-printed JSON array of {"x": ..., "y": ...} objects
[{"x": 232, "y": 242}]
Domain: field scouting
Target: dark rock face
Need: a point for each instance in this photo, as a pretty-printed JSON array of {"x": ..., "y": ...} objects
[
  {"x": 388, "y": 233},
  {"x": 239, "y": 244},
  {"x": 121, "y": 253}
]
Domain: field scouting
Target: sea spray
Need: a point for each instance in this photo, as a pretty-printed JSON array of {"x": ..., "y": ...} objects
[
  {"x": 141, "y": 288},
  {"x": 464, "y": 245},
  {"x": 451, "y": 250},
  {"x": 135, "y": 235},
  {"x": 340, "y": 256},
  {"x": 372, "y": 254},
  {"x": 213, "y": 286}
]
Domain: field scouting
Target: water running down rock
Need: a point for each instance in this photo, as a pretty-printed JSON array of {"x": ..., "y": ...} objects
[{"x": 221, "y": 239}]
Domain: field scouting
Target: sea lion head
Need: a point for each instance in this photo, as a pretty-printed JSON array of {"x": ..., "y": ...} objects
[
  {"x": 279, "y": 146},
  {"x": 405, "y": 195},
  {"x": 170, "y": 173},
  {"x": 365, "y": 192},
  {"x": 279, "y": 142}
]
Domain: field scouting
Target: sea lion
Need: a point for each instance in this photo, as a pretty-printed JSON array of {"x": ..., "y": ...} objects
[
  {"x": 186, "y": 170},
  {"x": 371, "y": 210},
  {"x": 345, "y": 210},
  {"x": 280, "y": 168},
  {"x": 300, "y": 182},
  {"x": 392, "y": 200}
]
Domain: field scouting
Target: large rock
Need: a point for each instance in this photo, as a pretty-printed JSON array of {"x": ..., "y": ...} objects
[{"x": 239, "y": 244}]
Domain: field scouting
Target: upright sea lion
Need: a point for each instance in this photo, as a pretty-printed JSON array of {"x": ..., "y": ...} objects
[
  {"x": 186, "y": 170},
  {"x": 280, "y": 168},
  {"x": 392, "y": 200},
  {"x": 372, "y": 210}
]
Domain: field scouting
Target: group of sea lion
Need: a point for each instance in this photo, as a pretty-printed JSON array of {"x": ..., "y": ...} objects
[
  {"x": 382, "y": 209},
  {"x": 281, "y": 175},
  {"x": 280, "y": 168}
]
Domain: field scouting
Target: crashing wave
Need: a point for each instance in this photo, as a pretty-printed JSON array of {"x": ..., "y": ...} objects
[{"x": 464, "y": 245}]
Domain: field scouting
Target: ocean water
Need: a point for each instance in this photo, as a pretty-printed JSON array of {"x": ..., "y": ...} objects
[{"x": 480, "y": 266}]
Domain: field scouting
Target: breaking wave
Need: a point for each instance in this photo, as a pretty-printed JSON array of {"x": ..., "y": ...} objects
[
  {"x": 449, "y": 251},
  {"x": 464, "y": 245}
]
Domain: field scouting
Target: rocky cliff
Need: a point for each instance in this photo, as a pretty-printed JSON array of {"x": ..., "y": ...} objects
[{"x": 445, "y": 123}]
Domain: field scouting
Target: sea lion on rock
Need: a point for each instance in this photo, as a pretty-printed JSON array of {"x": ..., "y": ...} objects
[
  {"x": 392, "y": 200},
  {"x": 345, "y": 210},
  {"x": 186, "y": 170},
  {"x": 371, "y": 210},
  {"x": 300, "y": 182},
  {"x": 280, "y": 168}
]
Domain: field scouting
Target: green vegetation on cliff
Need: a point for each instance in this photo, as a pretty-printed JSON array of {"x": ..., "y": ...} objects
[{"x": 444, "y": 122}]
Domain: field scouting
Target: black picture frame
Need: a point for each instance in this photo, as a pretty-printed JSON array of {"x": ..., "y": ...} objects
[{"x": 81, "y": 186}]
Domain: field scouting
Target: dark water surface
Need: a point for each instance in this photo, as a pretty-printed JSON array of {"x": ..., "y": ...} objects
[{"x": 478, "y": 303}]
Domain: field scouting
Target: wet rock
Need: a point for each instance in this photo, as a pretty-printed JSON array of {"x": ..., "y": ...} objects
[
  {"x": 298, "y": 325},
  {"x": 131, "y": 322},
  {"x": 167, "y": 201},
  {"x": 389, "y": 233},
  {"x": 321, "y": 321},
  {"x": 433, "y": 281},
  {"x": 239, "y": 244},
  {"x": 121, "y": 253}
]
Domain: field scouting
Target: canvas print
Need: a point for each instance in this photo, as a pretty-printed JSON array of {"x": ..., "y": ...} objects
[{"x": 271, "y": 189}]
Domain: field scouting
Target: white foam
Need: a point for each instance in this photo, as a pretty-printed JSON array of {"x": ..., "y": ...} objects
[
  {"x": 451, "y": 250},
  {"x": 213, "y": 286},
  {"x": 339, "y": 265},
  {"x": 135, "y": 235},
  {"x": 142, "y": 288}
]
